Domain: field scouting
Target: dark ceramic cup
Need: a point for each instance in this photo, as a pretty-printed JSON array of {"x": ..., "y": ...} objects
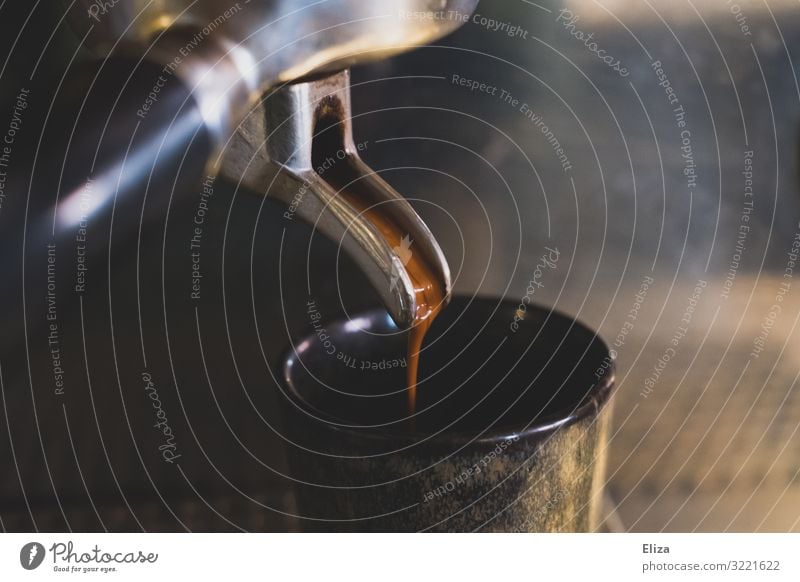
[{"x": 509, "y": 432}]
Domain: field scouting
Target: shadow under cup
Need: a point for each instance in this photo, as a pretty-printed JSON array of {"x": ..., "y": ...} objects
[{"x": 509, "y": 431}]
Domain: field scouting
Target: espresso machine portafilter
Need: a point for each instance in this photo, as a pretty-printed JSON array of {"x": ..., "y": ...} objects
[{"x": 254, "y": 91}]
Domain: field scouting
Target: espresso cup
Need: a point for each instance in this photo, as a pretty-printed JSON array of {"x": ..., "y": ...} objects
[{"x": 508, "y": 434}]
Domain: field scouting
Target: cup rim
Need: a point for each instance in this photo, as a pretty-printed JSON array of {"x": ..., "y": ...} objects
[{"x": 590, "y": 405}]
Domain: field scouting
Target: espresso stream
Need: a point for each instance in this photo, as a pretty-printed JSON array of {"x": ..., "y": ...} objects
[{"x": 428, "y": 290}]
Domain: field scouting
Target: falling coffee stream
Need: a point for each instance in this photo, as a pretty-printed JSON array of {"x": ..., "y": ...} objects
[{"x": 428, "y": 290}]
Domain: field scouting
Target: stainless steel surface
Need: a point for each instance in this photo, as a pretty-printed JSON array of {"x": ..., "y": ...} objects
[
  {"x": 251, "y": 46},
  {"x": 273, "y": 153},
  {"x": 227, "y": 55}
]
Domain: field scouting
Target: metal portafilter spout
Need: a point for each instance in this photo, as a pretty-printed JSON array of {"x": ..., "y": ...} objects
[
  {"x": 299, "y": 148},
  {"x": 179, "y": 95}
]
